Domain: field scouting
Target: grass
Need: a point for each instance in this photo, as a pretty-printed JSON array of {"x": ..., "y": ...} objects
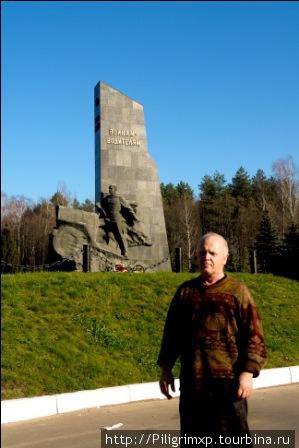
[{"x": 64, "y": 332}]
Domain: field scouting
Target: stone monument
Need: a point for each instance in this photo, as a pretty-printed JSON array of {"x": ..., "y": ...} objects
[{"x": 128, "y": 227}]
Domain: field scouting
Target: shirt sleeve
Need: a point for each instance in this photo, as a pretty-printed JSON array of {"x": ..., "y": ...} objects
[
  {"x": 171, "y": 343},
  {"x": 253, "y": 343}
]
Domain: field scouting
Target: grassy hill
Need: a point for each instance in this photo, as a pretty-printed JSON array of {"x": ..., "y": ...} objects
[{"x": 64, "y": 332}]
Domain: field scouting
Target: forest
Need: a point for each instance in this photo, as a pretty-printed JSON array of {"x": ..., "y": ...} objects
[{"x": 258, "y": 215}]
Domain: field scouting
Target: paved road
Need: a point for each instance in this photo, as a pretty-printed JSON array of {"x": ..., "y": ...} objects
[{"x": 271, "y": 408}]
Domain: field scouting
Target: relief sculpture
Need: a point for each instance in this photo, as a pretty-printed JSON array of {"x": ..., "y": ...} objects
[{"x": 110, "y": 231}]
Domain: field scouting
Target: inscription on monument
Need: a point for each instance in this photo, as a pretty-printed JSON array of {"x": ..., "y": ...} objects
[{"x": 116, "y": 137}]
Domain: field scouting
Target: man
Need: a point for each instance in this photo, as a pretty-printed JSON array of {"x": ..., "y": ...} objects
[
  {"x": 214, "y": 327},
  {"x": 112, "y": 207}
]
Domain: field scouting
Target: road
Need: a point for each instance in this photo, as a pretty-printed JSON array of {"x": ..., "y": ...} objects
[{"x": 271, "y": 408}]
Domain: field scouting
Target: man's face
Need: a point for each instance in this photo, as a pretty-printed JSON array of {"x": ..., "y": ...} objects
[
  {"x": 112, "y": 189},
  {"x": 212, "y": 256}
]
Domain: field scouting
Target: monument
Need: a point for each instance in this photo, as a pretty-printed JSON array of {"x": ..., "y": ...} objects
[{"x": 128, "y": 227}]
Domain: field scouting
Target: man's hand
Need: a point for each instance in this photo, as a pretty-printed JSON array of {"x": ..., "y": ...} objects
[
  {"x": 166, "y": 379},
  {"x": 245, "y": 385}
]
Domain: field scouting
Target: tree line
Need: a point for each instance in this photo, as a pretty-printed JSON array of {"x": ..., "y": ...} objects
[
  {"x": 259, "y": 217},
  {"x": 26, "y": 229}
]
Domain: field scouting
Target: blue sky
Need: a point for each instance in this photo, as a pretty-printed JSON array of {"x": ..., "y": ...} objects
[{"x": 218, "y": 81}]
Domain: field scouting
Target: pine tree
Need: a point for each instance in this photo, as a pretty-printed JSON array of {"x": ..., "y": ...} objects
[
  {"x": 241, "y": 184},
  {"x": 266, "y": 244},
  {"x": 169, "y": 193},
  {"x": 212, "y": 186}
]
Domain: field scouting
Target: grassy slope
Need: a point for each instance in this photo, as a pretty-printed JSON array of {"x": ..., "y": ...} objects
[{"x": 72, "y": 331}]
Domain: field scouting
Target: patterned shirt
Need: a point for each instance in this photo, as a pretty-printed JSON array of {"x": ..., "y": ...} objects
[{"x": 215, "y": 330}]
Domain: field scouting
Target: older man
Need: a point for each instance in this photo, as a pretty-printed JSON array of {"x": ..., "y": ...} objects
[{"x": 213, "y": 326}]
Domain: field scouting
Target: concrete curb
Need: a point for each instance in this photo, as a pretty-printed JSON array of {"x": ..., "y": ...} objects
[{"x": 37, "y": 407}]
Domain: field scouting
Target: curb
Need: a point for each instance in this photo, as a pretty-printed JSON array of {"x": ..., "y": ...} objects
[{"x": 30, "y": 408}]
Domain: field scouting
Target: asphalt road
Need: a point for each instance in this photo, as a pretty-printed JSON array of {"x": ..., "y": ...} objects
[{"x": 271, "y": 408}]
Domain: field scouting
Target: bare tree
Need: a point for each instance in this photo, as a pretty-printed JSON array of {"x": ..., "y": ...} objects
[
  {"x": 25, "y": 230},
  {"x": 285, "y": 172},
  {"x": 188, "y": 220},
  {"x": 13, "y": 209},
  {"x": 62, "y": 196}
]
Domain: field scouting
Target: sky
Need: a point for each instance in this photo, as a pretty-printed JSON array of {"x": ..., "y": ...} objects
[{"x": 219, "y": 82}]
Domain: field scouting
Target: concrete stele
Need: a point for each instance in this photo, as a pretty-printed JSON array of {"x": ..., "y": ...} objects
[{"x": 131, "y": 168}]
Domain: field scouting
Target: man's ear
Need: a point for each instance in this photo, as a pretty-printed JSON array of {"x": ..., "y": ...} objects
[{"x": 226, "y": 258}]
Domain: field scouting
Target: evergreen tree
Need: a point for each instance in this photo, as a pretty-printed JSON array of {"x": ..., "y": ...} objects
[
  {"x": 214, "y": 204},
  {"x": 241, "y": 184},
  {"x": 169, "y": 193},
  {"x": 266, "y": 244},
  {"x": 87, "y": 205},
  {"x": 212, "y": 186},
  {"x": 184, "y": 190}
]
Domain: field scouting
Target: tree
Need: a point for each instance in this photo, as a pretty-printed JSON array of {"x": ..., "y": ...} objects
[
  {"x": 169, "y": 193},
  {"x": 227, "y": 214},
  {"x": 285, "y": 173},
  {"x": 87, "y": 205},
  {"x": 25, "y": 230},
  {"x": 13, "y": 209},
  {"x": 266, "y": 244},
  {"x": 181, "y": 219},
  {"x": 188, "y": 220},
  {"x": 241, "y": 185},
  {"x": 76, "y": 204},
  {"x": 184, "y": 190},
  {"x": 58, "y": 198},
  {"x": 9, "y": 251},
  {"x": 214, "y": 204},
  {"x": 259, "y": 189},
  {"x": 62, "y": 196},
  {"x": 37, "y": 224},
  {"x": 212, "y": 186}
]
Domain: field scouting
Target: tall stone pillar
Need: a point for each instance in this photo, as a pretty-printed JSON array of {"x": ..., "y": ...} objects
[{"x": 122, "y": 158}]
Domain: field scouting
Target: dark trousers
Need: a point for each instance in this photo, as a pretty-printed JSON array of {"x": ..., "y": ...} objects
[{"x": 214, "y": 412}]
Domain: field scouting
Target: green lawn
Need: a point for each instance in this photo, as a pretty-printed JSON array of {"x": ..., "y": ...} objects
[{"x": 64, "y": 332}]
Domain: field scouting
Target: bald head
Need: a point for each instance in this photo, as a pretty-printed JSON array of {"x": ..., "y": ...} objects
[
  {"x": 215, "y": 236},
  {"x": 213, "y": 253}
]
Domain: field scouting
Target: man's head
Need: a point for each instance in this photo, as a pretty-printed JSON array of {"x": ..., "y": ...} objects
[
  {"x": 213, "y": 253},
  {"x": 112, "y": 189}
]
